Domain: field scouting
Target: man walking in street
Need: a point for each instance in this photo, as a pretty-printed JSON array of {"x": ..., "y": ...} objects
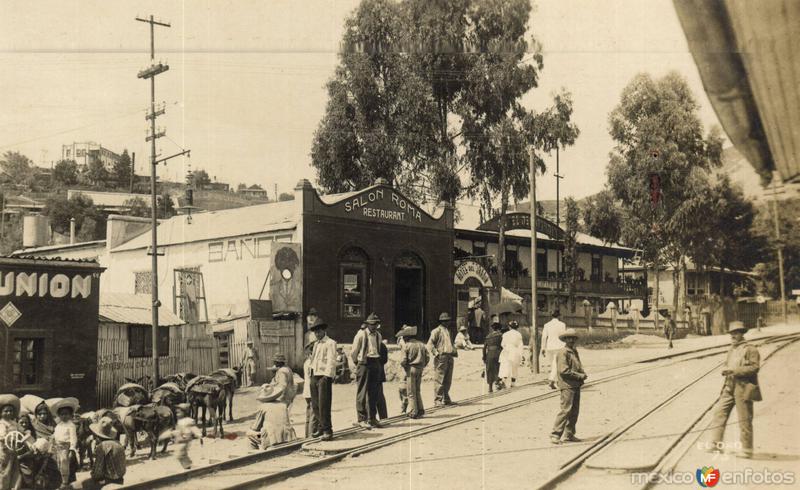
[
  {"x": 740, "y": 389},
  {"x": 249, "y": 363},
  {"x": 669, "y": 328},
  {"x": 570, "y": 379},
  {"x": 551, "y": 344},
  {"x": 323, "y": 369},
  {"x": 441, "y": 346},
  {"x": 413, "y": 359},
  {"x": 367, "y": 359}
]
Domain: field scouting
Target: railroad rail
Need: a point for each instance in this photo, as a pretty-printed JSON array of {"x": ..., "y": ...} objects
[
  {"x": 286, "y": 450},
  {"x": 664, "y": 463}
]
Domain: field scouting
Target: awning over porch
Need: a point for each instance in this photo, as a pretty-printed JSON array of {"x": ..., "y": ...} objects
[{"x": 134, "y": 309}]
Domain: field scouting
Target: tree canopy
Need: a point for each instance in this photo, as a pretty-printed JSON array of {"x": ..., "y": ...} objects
[
  {"x": 426, "y": 96},
  {"x": 16, "y": 166},
  {"x": 123, "y": 170},
  {"x": 65, "y": 172}
]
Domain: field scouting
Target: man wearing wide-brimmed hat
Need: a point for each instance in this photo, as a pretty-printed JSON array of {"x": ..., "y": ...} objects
[
  {"x": 441, "y": 346},
  {"x": 10, "y": 474},
  {"x": 366, "y": 357},
  {"x": 323, "y": 368},
  {"x": 413, "y": 359},
  {"x": 571, "y": 377},
  {"x": 109, "y": 455},
  {"x": 741, "y": 389},
  {"x": 249, "y": 362}
]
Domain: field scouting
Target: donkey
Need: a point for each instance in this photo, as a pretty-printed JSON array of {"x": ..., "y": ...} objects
[
  {"x": 229, "y": 380},
  {"x": 206, "y": 393},
  {"x": 151, "y": 419}
]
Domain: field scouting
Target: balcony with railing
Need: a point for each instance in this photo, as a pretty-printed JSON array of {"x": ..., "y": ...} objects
[{"x": 518, "y": 277}]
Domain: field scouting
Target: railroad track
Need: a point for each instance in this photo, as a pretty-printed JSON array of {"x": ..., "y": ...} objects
[
  {"x": 287, "y": 461},
  {"x": 677, "y": 447}
]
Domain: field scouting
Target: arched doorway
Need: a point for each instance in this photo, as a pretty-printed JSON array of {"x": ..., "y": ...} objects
[{"x": 409, "y": 292}]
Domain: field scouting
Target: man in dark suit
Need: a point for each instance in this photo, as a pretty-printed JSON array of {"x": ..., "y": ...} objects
[{"x": 740, "y": 390}]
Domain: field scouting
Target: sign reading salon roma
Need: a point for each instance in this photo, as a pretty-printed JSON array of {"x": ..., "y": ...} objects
[{"x": 381, "y": 204}]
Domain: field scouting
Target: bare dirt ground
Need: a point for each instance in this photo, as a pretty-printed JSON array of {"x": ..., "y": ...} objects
[{"x": 502, "y": 451}]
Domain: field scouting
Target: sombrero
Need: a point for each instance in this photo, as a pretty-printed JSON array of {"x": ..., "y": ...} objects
[
  {"x": 103, "y": 428},
  {"x": 568, "y": 333},
  {"x": 56, "y": 404},
  {"x": 407, "y": 331},
  {"x": 9, "y": 399}
]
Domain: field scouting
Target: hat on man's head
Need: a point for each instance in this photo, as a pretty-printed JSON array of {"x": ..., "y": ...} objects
[
  {"x": 736, "y": 326},
  {"x": 495, "y": 319},
  {"x": 56, "y": 404},
  {"x": 104, "y": 429},
  {"x": 556, "y": 313},
  {"x": 279, "y": 358},
  {"x": 568, "y": 333},
  {"x": 372, "y": 319},
  {"x": 513, "y": 324},
  {"x": 407, "y": 331},
  {"x": 9, "y": 399},
  {"x": 462, "y": 328},
  {"x": 445, "y": 317},
  {"x": 318, "y": 324},
  {"x": 249, "y": 342},
  {"x": 312, "y": 311}
]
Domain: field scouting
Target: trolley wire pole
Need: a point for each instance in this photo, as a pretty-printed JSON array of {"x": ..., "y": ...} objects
[
  {"x": 534, "y": 339},
  {"x": 150, "y": 73}
]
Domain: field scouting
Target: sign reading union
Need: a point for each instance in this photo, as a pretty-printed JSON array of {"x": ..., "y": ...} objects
[
  {"x": 374, "y": 204},
  {"x": 470, "y": 268}
]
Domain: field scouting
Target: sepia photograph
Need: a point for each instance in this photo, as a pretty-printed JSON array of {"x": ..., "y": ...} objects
[{"x": 399, "y": 244}]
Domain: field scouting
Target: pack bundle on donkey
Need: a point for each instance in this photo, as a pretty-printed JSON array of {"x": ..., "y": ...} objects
[
  {"x": 168, "y": 395},
  {"x": 229, "y": 379},
  {"x": 141, "y": 416},
  {"x": 208, "y": 394}
]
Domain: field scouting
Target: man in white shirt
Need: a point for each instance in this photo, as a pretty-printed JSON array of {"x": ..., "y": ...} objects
[
  {"x": 367, "y": 359},
  {"x": 551, "y": 344},
  {"x": 323, "y": 369}
]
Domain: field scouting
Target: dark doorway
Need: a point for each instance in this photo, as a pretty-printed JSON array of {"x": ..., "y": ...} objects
[{"x": 409, "y": 293}]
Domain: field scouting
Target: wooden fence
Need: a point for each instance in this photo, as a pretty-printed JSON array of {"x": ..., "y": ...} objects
[{"x": 191, "y": 349}]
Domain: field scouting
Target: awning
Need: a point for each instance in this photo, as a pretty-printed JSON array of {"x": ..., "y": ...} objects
[{"x": 134, "y": 309}]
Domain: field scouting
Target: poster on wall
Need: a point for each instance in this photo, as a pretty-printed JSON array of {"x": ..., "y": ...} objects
[{"x": 286, "y": 278}]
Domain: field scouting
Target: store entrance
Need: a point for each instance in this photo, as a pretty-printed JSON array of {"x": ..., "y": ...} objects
[{"x": 409, "y": 294}]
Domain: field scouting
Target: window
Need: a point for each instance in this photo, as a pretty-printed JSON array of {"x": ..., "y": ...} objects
[
  {"x": 541, "y": 263},
  {"x": 143, "y": 282},
  {"x": 597, "y": 268},
  {"x": 478, "y": 249},
  {"x": 353, "y": 278},
  {"x": 140, "y": 341},
  {"x": 692, "y": 285},
  {"x": 28, "y": 361},
  {"x": 511, "y": 262}
]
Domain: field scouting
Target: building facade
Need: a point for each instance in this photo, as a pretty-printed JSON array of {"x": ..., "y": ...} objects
[
  {"x": 49, "y": 311},
  {"x": 87, "y": 152}
]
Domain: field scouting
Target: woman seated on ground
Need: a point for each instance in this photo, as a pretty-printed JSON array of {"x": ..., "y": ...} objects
[
  {"x": 462, "y": 339},
  {"x": 272, "y": 424}
]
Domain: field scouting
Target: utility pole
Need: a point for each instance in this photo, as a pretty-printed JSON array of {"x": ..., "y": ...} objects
[
  {"x": 779, "y": 247},
  {"x": 558, "y": 177},
  {"x": 150, "y": 73},
  {"x": 534, "y": 341},
  {"x": 133, "y": 169}
]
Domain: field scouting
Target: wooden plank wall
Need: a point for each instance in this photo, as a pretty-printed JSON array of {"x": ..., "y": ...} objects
[{"x": 191, "y": 349}]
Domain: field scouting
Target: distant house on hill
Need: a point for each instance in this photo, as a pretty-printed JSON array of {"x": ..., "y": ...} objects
[{"x": 253, "y": 192}]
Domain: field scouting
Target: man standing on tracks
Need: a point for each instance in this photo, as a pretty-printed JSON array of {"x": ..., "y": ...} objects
[
  {"x": 323, "y": 369},
  {"x": 413, "y": 359},
  {"x": 441, "y": 346},
  {"x": 367, "y": 359},
  {"x": 740, "y": 389},
  {"x": 551, "y": 344},
  {"x": 570, "y": 379}
]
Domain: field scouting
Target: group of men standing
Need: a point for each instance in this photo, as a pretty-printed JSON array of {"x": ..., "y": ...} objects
[
  {"x": 369, "y": 354},
  {"x": 559, "y": 353}
]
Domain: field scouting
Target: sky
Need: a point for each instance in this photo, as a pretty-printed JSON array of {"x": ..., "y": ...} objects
[{"x": 246, "y": 85}]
